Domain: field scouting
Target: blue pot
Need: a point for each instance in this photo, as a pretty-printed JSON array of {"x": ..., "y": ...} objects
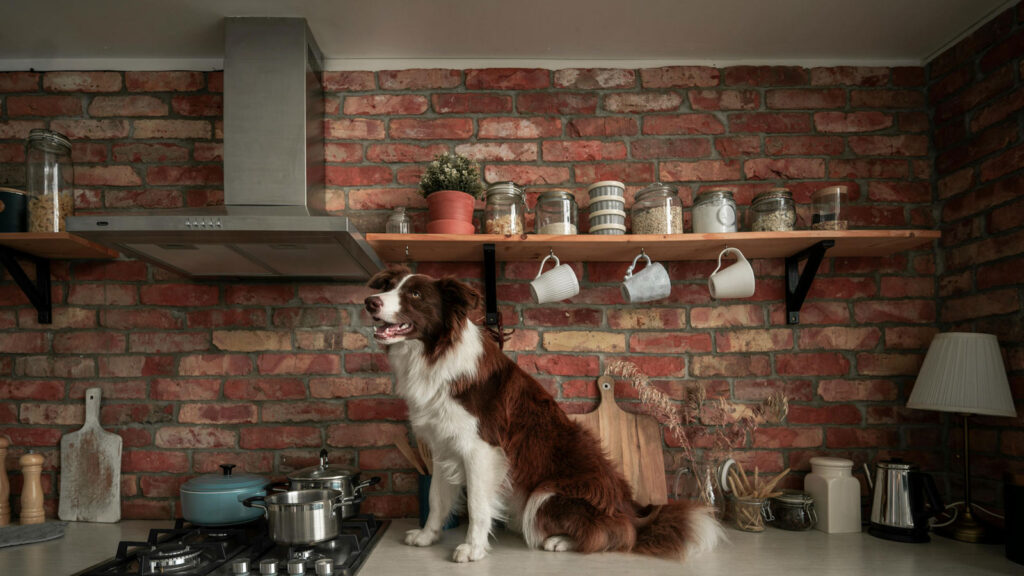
[{"x": 216, "y": 499}]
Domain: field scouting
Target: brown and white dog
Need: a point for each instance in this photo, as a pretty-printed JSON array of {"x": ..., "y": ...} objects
[{"x": 494, "y": 429}]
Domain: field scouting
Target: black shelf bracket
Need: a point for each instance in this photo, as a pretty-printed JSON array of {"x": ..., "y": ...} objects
[
  {"x": 39, "y": 293},
  {"x": 799, "y": 283},
  {"x": 491, "y": 315}
]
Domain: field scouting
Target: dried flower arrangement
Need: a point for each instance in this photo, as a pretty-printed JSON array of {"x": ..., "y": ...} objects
[{"x": 451, "y": 172}]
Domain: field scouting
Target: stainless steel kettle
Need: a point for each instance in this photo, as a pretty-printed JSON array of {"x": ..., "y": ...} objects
[{"x": 904, "y": 500}]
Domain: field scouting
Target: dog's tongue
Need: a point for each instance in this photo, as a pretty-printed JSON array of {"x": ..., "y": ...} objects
[{"x": 387, "y": 330}]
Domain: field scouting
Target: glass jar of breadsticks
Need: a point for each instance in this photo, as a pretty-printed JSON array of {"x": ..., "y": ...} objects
[
  {"x": 50, "y": 178},
  {"x": 748, "y": 495}
]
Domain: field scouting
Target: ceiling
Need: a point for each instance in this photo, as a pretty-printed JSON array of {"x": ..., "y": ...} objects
[{"x": 386, "y": 34}]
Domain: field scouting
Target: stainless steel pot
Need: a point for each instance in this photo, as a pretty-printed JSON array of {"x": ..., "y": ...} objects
[
  {"x": 325, "y": 477},
  {"x": 303, "y": 517}
]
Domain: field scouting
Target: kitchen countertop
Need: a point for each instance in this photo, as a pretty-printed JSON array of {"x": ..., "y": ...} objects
[{"x": 770, "y": 552}]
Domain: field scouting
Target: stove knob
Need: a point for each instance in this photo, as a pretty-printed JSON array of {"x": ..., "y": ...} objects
[
  {"x": 296, "y": 566},
  {"x": 324, "y": 567},
  {"x": 240, "y": 566},
  {"x": 268, "y": 567}
]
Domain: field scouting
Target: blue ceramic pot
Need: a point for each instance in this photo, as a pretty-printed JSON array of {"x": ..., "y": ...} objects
[{"x": 216, "y": 499}]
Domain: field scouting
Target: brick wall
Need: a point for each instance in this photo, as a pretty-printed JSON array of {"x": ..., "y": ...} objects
[
  {"x": 976, "y": 93},
  {"x": 199, "y": 373}
]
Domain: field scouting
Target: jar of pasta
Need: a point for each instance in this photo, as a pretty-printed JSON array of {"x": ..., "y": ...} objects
[
  {"x": 50, "y": 178},
  {"x": 505, "y": 209}
]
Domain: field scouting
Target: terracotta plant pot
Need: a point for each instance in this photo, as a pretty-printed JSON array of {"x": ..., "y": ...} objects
[
  {"x": 451, "y": 205},
  {"x": 448, "y": 226}
]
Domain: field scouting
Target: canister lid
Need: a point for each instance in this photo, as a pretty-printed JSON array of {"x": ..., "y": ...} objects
[
  {"x": 48, "y": 138},
  {"x": 795, "y": 497},
  {"x": 829, "y": 191},
  {"x": 505, "y": 188},
  {"x": 657, "y": 187},
  {"x": 772, "y": 194},
  {"x": 556, "y": 195},
  {"x": 897, "y": 464},
  {"x": 712, "y": 195},
  {"x": 12, "y": 190},
  {"x": 827, "y": 462},
  {"x": 604, "y": 183},
  {"x": 223, "y": 482}
]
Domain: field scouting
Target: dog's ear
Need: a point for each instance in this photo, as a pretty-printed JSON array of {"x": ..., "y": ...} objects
[
  {"x": 457, "y": 296},
  {"x": 386, "y": 279}
]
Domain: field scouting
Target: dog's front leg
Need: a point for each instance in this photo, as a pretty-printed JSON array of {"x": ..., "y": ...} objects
[
  {"x": 485, "y": 473},
  {"x": 442, "y": 499}
]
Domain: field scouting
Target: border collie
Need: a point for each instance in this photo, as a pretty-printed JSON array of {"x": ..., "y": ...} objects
[{"x": 494, "y": 429}]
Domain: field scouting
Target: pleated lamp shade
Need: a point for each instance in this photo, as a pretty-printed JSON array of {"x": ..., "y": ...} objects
[{"x": 963, "y": 372}]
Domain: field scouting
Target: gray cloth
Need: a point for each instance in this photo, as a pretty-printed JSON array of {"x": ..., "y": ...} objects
[{"x": 17, "y": 535}]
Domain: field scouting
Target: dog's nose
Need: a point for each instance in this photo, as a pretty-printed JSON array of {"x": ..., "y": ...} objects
[{"x": 373, "y": 304}]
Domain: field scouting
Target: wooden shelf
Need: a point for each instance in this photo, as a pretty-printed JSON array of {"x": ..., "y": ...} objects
[
  {"x": 56, "y": 246},
  {"x": 594, "y": 248}
]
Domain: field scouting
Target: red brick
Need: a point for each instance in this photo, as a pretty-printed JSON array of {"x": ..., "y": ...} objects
[
  {"x": 997, "y": 111},
  {"x": 220, "y": 413},
  {"x": 679, "y": 77},
  {"x": 378, "y": 409},
  {"x": 82, "y": 81},
  {"x": 195, "y": 437},
  {"x": 908, "y": 76},
  {"x": 334, "y": 294},
  {"x": 850, "y": 76},
  {"x": 765, "y": 76},
  {"x": 670, "y": 148},
  {"x": 669, "y": 342},
  {"x": 385, "y": 104},
  {"x": 850, "y": 390},
  {"x": 738, "y": 146},
  {"x": 19, "y": 81},
  {"x": 392, "y": 506},
  {"x": 831, "y": 414},
  {"x": 226, "y": 318},
  {"x": 462, "y": 103},
  {"x": 134, "y": 366},
  {"x": 174, "y": 462},
  {"x": 48, "y": 367},
  {"x": 724, "y": 99},
  {"x": 249, "y": 294},
  {"x": 839, "y": 338},
  {"x": 900, "y": 287},
  {"x": 594, "y": 78},
  {"x": 349, "y": 386},
  {"x": 902, "y": 192},
  {"x": 861, "y": 438},
  {"x": 793, "y": 168},
  {"x": 783, "y": 122},
  {"x": 582, "y": 150},
  {"x": 302, "y": 411},
  {"x": 128, "y": 414},
  {"x": 199, "y": 105},
  {"x": 419, "y": 79},
  {"x": 621, "y": 171},
  {"x": 185, "y": 389},
  {"x": 129, "y": 319},
  {"x": 1002, "y": 273},
  {"x": 788, "y": 437},
  {"x": 167, "y": 342},
  {"x": 499, "y": 151},
  {"x": 164, "y": 81},
  {"x": 726, "y": 316},
  {"x": 355, "y": 129},
  {"x": 601, "y": 126},
  {"x": 804, "y": 146},
  {"x": 364, "y": 434},
  {"x": 127, "y": 106},
  {"x": 821, "y": 364},
  {"x": 1006, "y": 162},
  {"x": 358, "y": 175},
  {"x": 868, "y": 168},
  {"x": 298, "y": 364},
  {"x": 279, "y": 437},
  {"x": 214, "y": 364},
  {"x": 902, "y": 145},
  {"x": 887, "y": 99},
  {"x": 919, "y": 311},
  {"x": 172, "y": 129},
  {"x": 265, "y": 389},
  {"x": 559, "y": 365},
  {"x": 106, "y": 176},
  {"x": 683, "y": 124},
  {"x": 507, "y": 79},
  {"x": 888, "y": 364},
  {"x": 909, "y": 337},
  {"x": 1011, "y": 48},
  {"x": 527, "y": 175},
  {"x": 149, "y": 153},
  {"x": 991, "y": 140},
  {"x": 703, "y": 171},
  {"x": 179, "y": 295},
  {"x": 980, "y": 305},
  {"x": 76, "y": 129},
  {"x": 432, "y": 129},
  {"x": 562, "y": 317},
  {"x": 519, "y": 128},
  {"x": 557, "y": 103},
  {"x": 160, "y": 487},
  {"x": 631, "y": 103},
  {"x": 348, "y": 81},
  {"x": 44, "y": 106},
  {"x": 87, "y": 342},
  {"x": 251, "y": 462},
  {"x": 800, "y": 99}
]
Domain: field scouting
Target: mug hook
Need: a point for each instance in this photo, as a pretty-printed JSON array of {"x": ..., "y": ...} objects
[{"x": 642, "y": 254}]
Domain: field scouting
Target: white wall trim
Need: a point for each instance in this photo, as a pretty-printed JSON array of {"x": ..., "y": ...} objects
[
  {"x": 971, "y": 29},
  {"x": 115, "y": 64}
]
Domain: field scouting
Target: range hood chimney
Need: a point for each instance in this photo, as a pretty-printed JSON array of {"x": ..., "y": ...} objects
[{"x": 274, "y": 222}]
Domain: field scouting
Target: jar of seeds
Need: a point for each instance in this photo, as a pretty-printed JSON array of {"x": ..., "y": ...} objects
[
  {"x": 657, "y": 210},
  {"x": 714, "y": 211},
  {"x": 556, "y": 213},
  {"x": 505, "y": 209},
  {"x": 772, "y": 211}
]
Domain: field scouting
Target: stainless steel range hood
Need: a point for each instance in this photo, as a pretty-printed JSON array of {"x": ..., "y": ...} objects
[{"x": 274, "y": 221}]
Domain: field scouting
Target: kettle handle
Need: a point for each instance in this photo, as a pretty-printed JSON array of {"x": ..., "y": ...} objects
[{"x": 931, "y": 492}]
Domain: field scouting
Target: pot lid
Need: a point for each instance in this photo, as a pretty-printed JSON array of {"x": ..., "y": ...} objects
[
  {"x": 321, "y": 472},
  {"x": 224, "y": 482}
]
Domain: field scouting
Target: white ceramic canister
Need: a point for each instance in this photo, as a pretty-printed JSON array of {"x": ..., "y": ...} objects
[{"x": 836, "y": 494}]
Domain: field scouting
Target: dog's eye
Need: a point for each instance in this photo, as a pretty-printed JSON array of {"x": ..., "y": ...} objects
[{"x": 415, "y": 293}]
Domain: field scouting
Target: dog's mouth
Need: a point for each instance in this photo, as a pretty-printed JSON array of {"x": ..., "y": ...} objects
[{"x": 389, "y": 331}]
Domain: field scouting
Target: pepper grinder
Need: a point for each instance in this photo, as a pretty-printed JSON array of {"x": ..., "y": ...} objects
[
  {"x": 5, "y": 484},
  {"x": 32, "y": 490}
]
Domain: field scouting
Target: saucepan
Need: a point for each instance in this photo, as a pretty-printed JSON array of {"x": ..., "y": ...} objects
[
  {"x": 216, "y": 499},
  {"x": 326, "y": 477},
  {"x": 303, "y": 517}
]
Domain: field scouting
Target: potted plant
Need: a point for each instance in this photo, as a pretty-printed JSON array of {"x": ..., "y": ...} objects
[{"x": 451, "y": 184}]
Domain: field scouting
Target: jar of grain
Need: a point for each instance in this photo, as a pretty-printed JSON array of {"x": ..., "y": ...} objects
[
  {"x": 555, "y": 213},
  {"x": 505, "y": 209},
  {"x": 828, "y": 207},
  {"x": 50, "y": 178},
  {"x": 657, "y": 210},
  {"x": 772, "y": 211},
  {"x": 714, "y": 211}
]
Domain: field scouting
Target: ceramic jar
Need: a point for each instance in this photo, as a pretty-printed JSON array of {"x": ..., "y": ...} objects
[{"x": 836, "y": 494}]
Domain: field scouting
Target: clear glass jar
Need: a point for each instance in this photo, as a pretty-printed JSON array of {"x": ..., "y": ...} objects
[
  {"x": 657, "y": 210},
  {"x": 793, "y": 510},
  {"x": 398, "y": 222},
  {"x": 714, "y": 211},
  {"x": 505, "y": 210},
  {"x": 749, "y": 514},
  {"x": 50, "y": 178},
  {"x": 699, "y": 482},
  {"x": 772, "y": 211},
  {"x": 827, "y": 208},
  {"x": 555, "y": 213}
]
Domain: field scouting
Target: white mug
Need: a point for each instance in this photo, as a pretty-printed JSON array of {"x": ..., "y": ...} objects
[
  {"x": 556, "y": 284},
  {"x": 736, "y": 281},
  {"x": 651, "y": 283}
]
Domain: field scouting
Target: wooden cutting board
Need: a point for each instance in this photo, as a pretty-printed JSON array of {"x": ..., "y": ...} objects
[
  {"x": 90, "y": 469},
  {"x": 632, "y": 441}
]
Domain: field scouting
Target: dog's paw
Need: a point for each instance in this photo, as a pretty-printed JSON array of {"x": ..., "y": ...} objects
[
  {"x": 421, "y": 537},
  {"x": 559, "y": 544},
  {"x": 468, "y": 553}
]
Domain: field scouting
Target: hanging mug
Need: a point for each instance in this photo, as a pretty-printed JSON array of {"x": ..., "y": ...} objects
[
  {"x": 736, "y": 281},
  {"x": 651, "y": 283},
  {"x": 556, "y": 284}
]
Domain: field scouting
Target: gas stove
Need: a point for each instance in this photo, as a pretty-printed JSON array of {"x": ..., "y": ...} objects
[{"x": 241, "y": 550}]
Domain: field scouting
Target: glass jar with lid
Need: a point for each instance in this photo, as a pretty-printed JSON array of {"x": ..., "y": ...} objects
[
  {"x": 50, "y": 178},
  {"x": 828, "y": 208},
  {"x": 657, "y": 210},
  {"x": 772, "y": 211},
  {"x": 398, "y": 222},
  {"x": 555, "y": 213},
  {"x": 505, "y": 209},
  {"x": 714, "y": 211},
  {"x": 793, "y": 510}
]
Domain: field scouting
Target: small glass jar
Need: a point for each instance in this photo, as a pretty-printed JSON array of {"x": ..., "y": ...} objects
[
  {"x": 714, "y": 211},
  {"x": 555, "y": 213},
  {"x": 828, "y": 207},
  {"x": 772, "y": 211},
  {"x": 750, "y": 514},
  {"x": 699, "y": 482},
  {"x": 398, "y": 222},
  {"x": 505, "y": 210},
  {"x": 50, "y": 178},
  {"x": 657, "y": 210},
  {"x": 793, "y": 510}
]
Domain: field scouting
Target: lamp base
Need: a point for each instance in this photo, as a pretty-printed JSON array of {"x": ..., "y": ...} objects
[{"x": 967, "y": 529}]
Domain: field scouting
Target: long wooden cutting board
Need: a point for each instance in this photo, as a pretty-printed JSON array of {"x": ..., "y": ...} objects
[
  {"x": 90, "y": 469},
  {"x": 632, "y": 441}
]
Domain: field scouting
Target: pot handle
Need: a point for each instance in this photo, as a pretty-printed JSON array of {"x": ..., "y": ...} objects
[
  {"x": 252, "y": 503},
  {"x": 359, "y": 487},
  {"x": 346, "y": 500},
  {"x": 278, "y": 487}
]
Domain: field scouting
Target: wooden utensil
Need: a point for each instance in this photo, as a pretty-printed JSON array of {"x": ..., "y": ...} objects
[
  {"x": 428, "y": 460},
  {"x": 90, "y": 469},
  {"x": 5, "y": 484},
  {"x": 632, "y": 441},
  {"x": 403, "y": 446}
]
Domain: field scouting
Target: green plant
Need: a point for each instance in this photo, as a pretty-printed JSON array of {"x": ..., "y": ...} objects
[{"x": 451, "y": 172}]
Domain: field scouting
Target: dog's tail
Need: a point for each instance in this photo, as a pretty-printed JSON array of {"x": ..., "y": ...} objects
[{"x": 676, "y": 530}]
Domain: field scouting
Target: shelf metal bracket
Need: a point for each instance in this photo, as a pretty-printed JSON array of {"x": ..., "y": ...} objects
[
  {"x": 39, "y": 293},
  {"x": 799, "y": 283},
  {"x": 491, "y": 315}
]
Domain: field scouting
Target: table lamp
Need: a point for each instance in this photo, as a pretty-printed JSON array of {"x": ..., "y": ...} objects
[{"x": 964, "y": 373}]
